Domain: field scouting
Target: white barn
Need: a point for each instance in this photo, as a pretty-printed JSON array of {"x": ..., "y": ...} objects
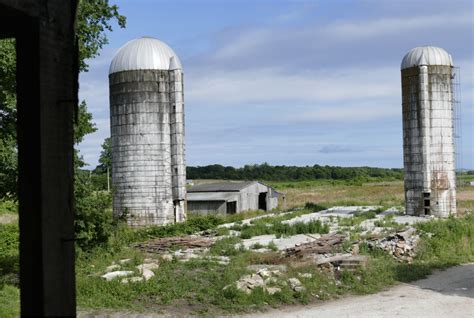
[{"x": 231, "y": 197}]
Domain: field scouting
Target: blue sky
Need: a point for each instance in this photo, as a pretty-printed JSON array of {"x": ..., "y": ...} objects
[{"x": 291, "y": 82}]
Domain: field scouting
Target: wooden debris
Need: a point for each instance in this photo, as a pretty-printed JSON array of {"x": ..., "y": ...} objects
[
  {"x": 166, "y": 244},
  {"x": 323, "y": 245}
]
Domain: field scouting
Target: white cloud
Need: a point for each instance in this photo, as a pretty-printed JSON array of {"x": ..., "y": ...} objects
[
  {"x": 271, "y": 86},
  {"x": 388, "y": 26}
]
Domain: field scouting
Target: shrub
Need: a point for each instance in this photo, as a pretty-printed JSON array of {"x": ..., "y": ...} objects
[
  {"x": 8, "y": 206},
  {"x": 94, "y": 223},
  {"x": 9, "y": 267}
]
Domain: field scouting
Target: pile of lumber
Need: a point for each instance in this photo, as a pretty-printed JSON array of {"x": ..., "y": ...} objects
[
  {"x": 166, "y": 244},
  {"x": 323, "y": 245}
]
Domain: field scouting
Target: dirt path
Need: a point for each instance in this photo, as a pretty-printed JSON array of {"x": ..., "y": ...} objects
[{"x": 448, "y": 293}]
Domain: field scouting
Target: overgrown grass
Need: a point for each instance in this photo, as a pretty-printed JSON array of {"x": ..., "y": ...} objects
[
  {"x": 9, "y": 301},
  {"x": 357, "y": 219},
  {"x": 452, "y": 241},
  {"x": 282, "y": 229},
  {"x": 8, "y": 207},
  {"x": 274, "y": 225},
  {"x": 386, "y": 193},
  {"x": 9, "y": 269},
  {"x": 199, "y": 284},
  {"x": 388, "y": 222}
]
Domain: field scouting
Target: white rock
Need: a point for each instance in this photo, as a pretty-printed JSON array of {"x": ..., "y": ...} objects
[
  {"x": 125, "y": 261},
  {"x": 167, "y": 257},
  {"x": 147, "y": 274},
  {"x": 149, "y": 266},
  {"x": 271, "y": 280},
  {"x": 112, "y": 275},
  {"x": 132, "y": 280},
  {"x": 149, "y": 260},
  {"x": 272, "y": 290},
  {"x": 112, "y": 268},
  {"x": 264, "y": 273},
  {"x": 146, "y": 270},
  {"x": 305, "y": 275},
  {"x": 296, "y": 285}
]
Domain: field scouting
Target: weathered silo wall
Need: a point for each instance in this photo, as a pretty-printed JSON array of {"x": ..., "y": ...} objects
[
  {"x": 428, "y": 141},
  {"x": 178, "y": 165},
  {"x": 147, "y": 132}
]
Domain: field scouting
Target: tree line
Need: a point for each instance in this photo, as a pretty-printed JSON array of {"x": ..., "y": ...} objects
[{"x": 291, "y": 173}]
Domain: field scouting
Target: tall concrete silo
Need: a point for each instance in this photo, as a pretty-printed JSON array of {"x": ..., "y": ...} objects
[
  {"x": 147, "y": 132},
  {"x": 428, "y": 129}
]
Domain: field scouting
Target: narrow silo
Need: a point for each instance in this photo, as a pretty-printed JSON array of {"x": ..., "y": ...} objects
[
  {"x": 428, "y": 128},
  {"x": 147, "y": 132}
]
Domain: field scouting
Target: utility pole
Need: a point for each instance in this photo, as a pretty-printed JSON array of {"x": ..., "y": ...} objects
[{"x": 108, "y": 180}]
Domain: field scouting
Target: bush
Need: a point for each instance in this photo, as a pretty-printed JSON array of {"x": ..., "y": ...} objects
[
  {"x": 94, "y": 222},
  {"x": 314, "y": 207},
  {"x": 8, "y": 207},
  {"x": 9, "y": 244}
]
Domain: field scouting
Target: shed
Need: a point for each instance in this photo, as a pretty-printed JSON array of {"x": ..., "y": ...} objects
[{"x": 231, "y": 197}]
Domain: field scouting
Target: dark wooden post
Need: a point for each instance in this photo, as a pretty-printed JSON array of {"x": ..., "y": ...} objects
[{"x": 47, "y": 77}]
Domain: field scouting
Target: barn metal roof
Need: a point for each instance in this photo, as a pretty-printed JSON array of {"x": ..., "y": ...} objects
[
  {"x": 212, "y": 196},
  {"x": 230, "y": 186},
  {"x": 426, "y": 55},
  {"x": 145, "y": 53}
]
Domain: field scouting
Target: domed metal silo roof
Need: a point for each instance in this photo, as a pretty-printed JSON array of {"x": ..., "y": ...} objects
[
  {"x": 426, "y": 55},
  {"x": 145, "y": 53}
]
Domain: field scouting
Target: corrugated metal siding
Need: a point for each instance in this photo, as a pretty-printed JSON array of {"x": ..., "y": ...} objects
[{"x": 207, "y": 207}]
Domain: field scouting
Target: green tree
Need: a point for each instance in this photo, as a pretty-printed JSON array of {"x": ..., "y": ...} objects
[
  {"x": 8, "y": 153},
  {"x": 105, "y": 159}
]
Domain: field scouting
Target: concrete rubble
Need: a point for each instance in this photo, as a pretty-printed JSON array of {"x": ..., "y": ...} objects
[
  {"x": 401, "y": 245},
  {"x": 145, "y": 270},
  {"x": 296, "y": 285},
  {"x": 266, "y": 277},
  {"x": 323, "y": 245},
  {"x": 116, "y": 274}
]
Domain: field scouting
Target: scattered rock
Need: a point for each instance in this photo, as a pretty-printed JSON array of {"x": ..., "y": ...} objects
[
  {"x": 132, "y": 280},
  {"x": 264, "y": 273},
  {"x": 272, "y": 290},
  {"x": 222, "y": 260},
  {"x": 401, "y": 245},
  {"x": 125, "y": 261},
  {"x": 249, "y": 282},
  {"x": 149, "y": 260},
  {"x": 112, "y": 275},
  {"x": 270, "y": 267},
  {"x": 147, "y": 266},
  {"x": 166, "y": 257},
  {"x": 305, "y": 275},
  {"x": 147, "y": 274},
  {"x": 296, "y": 285},
  {"x": 146, "y": 270},
  {"x": 112, "y": 268},
  {"x": 270, "y": 280}
]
